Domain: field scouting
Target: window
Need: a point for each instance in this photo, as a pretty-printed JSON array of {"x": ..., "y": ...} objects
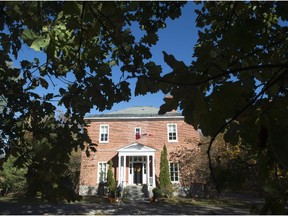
[
  {"x": 172, "y": 132},
  {"x": 137, "y": 132},
  {"x": 174, "y": 172},
  {"x": 102, "y": 171},
  {"x": 104, "y": 134}
]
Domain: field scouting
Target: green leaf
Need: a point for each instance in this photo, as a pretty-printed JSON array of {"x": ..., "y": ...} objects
[
  {"x": 150, "y": 39},
  {"x": 144, "y": 86},
  {"x": 173, "y": 63},
  {"x": 49, "y": 96},
  {"x": 112, "y": 63},
  {"x": 40, "y": 43},
  {"x": 28, "y": 35},
  {"x": 72, "y": 7},
  {"x": 43, "y": 83},
  {"x": 153, "y": 69},
  {"x": 62, "y": 91}
]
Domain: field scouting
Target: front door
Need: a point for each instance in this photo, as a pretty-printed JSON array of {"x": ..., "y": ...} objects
[{"x": 137, "y": 167}]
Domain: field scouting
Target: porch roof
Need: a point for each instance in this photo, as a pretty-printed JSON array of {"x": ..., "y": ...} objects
[{"x": 136, "y": 148}]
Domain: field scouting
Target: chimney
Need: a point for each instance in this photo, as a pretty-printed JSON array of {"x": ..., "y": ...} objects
[{"x": 167, "y": 98}]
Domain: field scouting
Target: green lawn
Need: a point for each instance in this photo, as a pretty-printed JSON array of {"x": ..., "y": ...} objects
[
  {"x": 20, "y": 198},
  {"x": 207, "y": 202}
]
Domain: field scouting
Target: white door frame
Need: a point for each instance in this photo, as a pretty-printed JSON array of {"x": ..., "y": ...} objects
[
  {"x": 131, "y": 170},
  {"x": 136, "y": 150}
]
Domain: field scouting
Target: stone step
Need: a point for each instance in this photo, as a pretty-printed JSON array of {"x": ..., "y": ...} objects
[{"x": 135, "y": 192}]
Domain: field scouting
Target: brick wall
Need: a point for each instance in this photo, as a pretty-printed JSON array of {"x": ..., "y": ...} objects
[{"x": 121, "y": 133}]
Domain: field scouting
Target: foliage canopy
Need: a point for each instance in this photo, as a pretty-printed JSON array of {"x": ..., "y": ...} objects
[
  {"x": 12, "y": 178},
  {"x": 82, "y": 42},
  {"x": 236, "y": 83}
]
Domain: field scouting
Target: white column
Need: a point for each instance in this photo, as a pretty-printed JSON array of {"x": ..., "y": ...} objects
[
  {"x": 153, "y": 170},
  {"x": 122, "y": 167},
  {"x": 119, "y": 168},
  {"x": 147, "y": 171},
  {"x": 124, "y": 170}
]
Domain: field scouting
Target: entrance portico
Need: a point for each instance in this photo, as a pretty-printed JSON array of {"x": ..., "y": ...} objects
[{"x": 136, "y": 165}]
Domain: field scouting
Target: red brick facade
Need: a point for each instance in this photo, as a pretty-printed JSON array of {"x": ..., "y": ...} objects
[{"x": 154, "y": 134}]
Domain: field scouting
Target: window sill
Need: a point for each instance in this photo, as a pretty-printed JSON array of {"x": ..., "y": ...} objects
[{"x": 173, "y": 141}]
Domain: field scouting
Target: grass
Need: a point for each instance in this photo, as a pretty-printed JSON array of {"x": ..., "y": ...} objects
[
  {"x": 206, "y": 202},
  {"x": 20, "y": 198}
]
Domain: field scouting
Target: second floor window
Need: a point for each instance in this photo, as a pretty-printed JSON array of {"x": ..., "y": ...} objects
[
  {"x": 137, "y": 132},
  {"x": 172, "y": 132},
  {"x": 104, "y": 134}
]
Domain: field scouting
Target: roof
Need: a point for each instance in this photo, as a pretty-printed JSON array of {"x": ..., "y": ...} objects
[{"x": 136, "y": 112}]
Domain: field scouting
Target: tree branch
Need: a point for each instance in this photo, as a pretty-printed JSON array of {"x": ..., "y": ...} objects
[
  {"x": 224, "y": 73},
  {"x": 264, "y": 47},
  {"x": 81, "y": 32},
  {"x": 220, "y": 129},
  {"x": 105, "y": 28}
]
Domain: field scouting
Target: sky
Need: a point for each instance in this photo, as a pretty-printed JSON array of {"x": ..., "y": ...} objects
[{"x": 178, "y": 38}]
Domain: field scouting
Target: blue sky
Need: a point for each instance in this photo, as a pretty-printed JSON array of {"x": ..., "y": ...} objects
[{"x": 178, "y": 38}]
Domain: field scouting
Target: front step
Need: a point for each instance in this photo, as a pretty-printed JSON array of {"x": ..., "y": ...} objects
[{"x": 136, "y": 193}]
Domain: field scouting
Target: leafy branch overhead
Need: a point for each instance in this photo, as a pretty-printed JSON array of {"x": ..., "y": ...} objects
[
  {"x": 82, "y": 43},
  {"x": 237, "y": 83}
]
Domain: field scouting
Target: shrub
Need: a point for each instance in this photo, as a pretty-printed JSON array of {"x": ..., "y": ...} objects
[
  {"x": 111, "y": 180},
  {"x": 12, "y": 177}
]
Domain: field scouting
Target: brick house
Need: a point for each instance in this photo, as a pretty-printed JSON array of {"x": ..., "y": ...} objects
[{"x": 133, "y": 139}]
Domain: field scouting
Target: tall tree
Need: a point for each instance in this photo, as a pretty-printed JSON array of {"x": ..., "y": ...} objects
[
  {"x": 237, "y": 81},
  {"x": 164, "y": 175},
  {"x": 81, "y": 42},
  {"x": 12, "y": 178}
]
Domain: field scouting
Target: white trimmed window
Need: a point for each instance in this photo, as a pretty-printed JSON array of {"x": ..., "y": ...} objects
[
  {"x": 137, "y": 132},
  {"x": 104, "y": 134},
  {"x": 102, "y": 171},
  {"x": 172, "y": 132},
  {"x": 174, "y": 172}
]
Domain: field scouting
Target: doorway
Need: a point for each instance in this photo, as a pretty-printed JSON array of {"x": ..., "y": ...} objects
[{"x": 137, "y": 178}]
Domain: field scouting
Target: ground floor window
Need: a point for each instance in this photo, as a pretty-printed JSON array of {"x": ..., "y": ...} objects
[
  {"x": 174, "y": 172},
  {"x": 102, "y": 171}
]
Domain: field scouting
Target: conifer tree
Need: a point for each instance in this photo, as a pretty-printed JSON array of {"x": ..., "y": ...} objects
[
  {"x": 164, "y": 176},
  {"x": 110, "y": 179}
]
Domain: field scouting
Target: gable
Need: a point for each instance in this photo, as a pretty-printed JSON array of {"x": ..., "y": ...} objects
[{"x": 136, "y": 147}]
